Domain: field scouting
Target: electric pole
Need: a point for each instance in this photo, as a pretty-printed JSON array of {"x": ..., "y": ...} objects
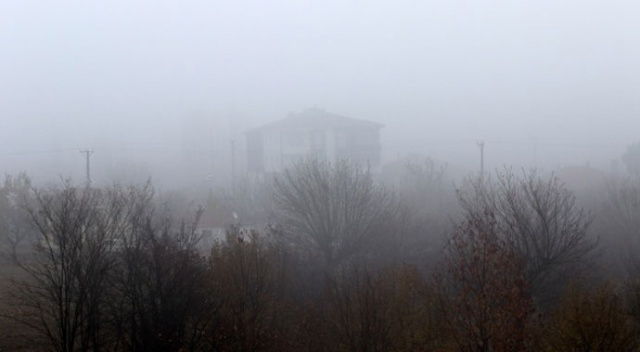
[
  {"x": 481, "y": 146},
  {"x": 87, "y": 153}
]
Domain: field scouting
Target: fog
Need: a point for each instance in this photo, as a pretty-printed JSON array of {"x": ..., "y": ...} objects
[{"x": 154, "y": 87}]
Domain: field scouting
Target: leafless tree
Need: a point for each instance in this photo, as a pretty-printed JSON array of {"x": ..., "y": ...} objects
[
  {"x": 333, "y": 210},
  {"x": 425, "y": 184},
  {"x": 249, "y": 276},
  {"x": 484, "y": 291},
  {"x": 620, "y": 217},
  {"x": 429, "y": 203},
  {"x": 157, "y": 281},
  {"x": 360, "y": 316},
  {"x": 110, "y": 272},
  {"x": 15, "y": 197},
  {"x": 64, "y": 294},
  {"x": 539, "y": 218}
]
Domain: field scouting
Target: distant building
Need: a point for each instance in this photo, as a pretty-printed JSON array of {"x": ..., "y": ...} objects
[{"x": 313, "y": 133}]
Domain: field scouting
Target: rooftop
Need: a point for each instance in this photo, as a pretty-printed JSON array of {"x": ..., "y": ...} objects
[{"x": 317, "y": 118}]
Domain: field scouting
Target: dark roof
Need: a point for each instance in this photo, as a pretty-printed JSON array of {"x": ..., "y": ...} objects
[{"x": 317, "y": 118}]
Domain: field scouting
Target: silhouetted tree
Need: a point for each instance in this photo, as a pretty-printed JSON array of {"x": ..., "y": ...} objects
[
  {"x": 332, "y": 210},
  {"x": 428, "y": 203},
  {"x": 591, "y": 320},
  {"x": 159, "y": 300},
  {"x": 485, "y": 292},
  {"x": 15, "y": 197},
  {"x": 109, "y": 273},
  {"x": 540, "y": 220},
  {"x": 64, "y": 296},
  {"x": 359, "y": 314},
  {"x": 620, "y": 217},
  {"x": 388, "y": 310},
  {"x": 249, "y": 276}
]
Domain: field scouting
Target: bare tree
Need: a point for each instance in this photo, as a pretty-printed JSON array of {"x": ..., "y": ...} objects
[
  {"x": 388, "y": 310},
  {"x": 428, "y": 202},
  {"x": 159, "y": 296},
  {"x": 539, "y": 218},
  {"x": 485, "y": 293},
  {"x": 248, "y": 275},
  {"x": 110, "y": 273},
  {"x": 334, "y": 210},
  {"x": 64, "y": 294},
  {"x": 620, "y": 217},
  {"x": 15, "y": 196},
  {"x": 425, "y": 184},
  {"x": 593, "y": 319},
  {"x": 360, "y": 313}
]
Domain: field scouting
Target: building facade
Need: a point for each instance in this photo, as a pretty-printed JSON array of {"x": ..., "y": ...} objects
[{"x": 313, "y": 133}]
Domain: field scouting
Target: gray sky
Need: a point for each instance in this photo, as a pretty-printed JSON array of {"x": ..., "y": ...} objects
[{"x": 122, "y": 75}]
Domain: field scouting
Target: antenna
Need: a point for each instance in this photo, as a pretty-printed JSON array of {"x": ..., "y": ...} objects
[{"x": 87, "y": 153}]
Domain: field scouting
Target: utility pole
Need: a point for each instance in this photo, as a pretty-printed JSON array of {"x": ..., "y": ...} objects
[
  {"x": 87, "y": 153},
  {"x": 481, "y": 146}
]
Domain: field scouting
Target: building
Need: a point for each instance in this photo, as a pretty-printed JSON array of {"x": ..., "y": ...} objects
[{"x": 313, "y": 133}]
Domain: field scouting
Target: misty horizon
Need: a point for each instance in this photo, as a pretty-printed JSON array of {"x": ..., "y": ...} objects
[{"x": 148, "y": 85}]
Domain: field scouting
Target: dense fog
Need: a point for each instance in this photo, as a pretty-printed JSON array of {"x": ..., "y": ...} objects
[
  {"x": 159, "y": 89},
  {"x": 319, "y": 176}
]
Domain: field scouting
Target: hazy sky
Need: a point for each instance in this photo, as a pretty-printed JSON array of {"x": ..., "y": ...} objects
[{"x": 439, "y": 74}]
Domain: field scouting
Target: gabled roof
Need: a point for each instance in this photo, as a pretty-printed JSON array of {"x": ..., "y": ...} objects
[{"x": 316, "y": 119}]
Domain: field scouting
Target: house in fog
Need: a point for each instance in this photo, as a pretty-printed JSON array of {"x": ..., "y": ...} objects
[{"x": 313, "y": 133}]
